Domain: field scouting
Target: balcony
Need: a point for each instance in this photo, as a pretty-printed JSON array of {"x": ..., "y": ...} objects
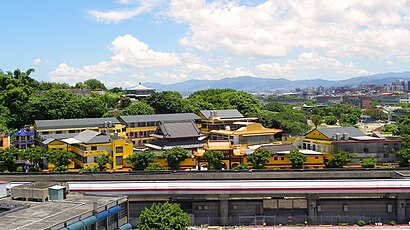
[{"x": 86, "y": 153}]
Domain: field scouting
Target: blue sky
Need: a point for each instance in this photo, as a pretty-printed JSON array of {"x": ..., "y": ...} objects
[{"x": 123, "y": 42}]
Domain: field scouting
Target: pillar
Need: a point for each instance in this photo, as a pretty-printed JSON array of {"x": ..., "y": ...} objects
[
  {"x": 224, "y": 209},
  {"x": 312, "y": 209}
]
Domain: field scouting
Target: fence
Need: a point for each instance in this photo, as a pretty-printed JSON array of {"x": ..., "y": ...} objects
[{"x": 297, "y": 220}]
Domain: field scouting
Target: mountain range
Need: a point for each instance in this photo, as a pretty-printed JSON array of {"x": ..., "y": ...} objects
[{"x": 258, "y": 84}]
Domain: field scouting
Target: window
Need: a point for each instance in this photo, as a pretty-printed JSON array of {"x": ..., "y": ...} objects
[
  {"x": 389, "y": 208},
  {"x": 316, "y": 158},
  {"x": 282, "y": 158},
  {"x": 275, "y": 158},
  {"x": 118, "y": 160},
  {"x": 366, "y": 150},
  {"x": 93, "y": 148},
  {"x": 314, "y": 147},
  {"x": 71, "y": 131},
  {"x": 385, "y": 146},
  {"x": 386, "y": 155},
  {"x": 304, "y": 145},
  {"x": 345, "y": 208},
  {"x": 319, "y": 208},
  {"x": 59, "y": 132},
  {"x": 119, "y": 149}
]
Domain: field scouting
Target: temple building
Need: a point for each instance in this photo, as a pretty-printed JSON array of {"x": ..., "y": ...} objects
[
  {"x": 169, "y": 134},
  {"x": 22, "y": 139},
  {"x": 139, "y": 128},
  {"x": 138, "y": 92},
  {"x": 236, "y": 144},
  {"x": 220, "y": 119}
]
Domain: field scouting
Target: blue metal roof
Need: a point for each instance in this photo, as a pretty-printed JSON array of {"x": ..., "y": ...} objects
[
  {"x": 22, "y": 133},
  {"x": 89, "y": 221},
  {"x": 114, "y": 209},
  {"x": 102, "y": 215}
]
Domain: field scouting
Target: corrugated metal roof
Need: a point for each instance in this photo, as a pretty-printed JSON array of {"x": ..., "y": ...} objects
[
  {"x": 74, "y": 123},
  {"x": 352, "y": 131},
  {"x": 88, "y": 137},
  {"x": 279, "y": 148},
  {"x": 159, "y": 117},
  {"x": 223, "y": 114},
  {"x": 58, "y": 136},
  {"x": 92, "y": 137}
]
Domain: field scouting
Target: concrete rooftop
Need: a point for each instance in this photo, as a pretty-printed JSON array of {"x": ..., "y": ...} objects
[{"x": 42, "y": 215}]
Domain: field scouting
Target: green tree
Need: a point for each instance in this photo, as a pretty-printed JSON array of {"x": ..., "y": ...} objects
[
  {"x": 214, "y": 159},
  {"x": 102, "y": 161},
  {"x": 403, "y": 125},
  {"x": 95, "y": 84},
  {"x": 138, "y": 108},
  {"x": 391, "y": 128},
  {"x": 94, "y": 106},
  {"x": 224, "y": 99},
  {"x": 297, "y": 159},
  {"x": 124, "y": 102},
  {"x": 8, "y": 158},
  {"x": 259, "y": 158},
  {"x": 404, "y": 153},
  {"x": 81, "y": 85},
  {"x": 165, "y": 102},
  {"x": 155, "y": 167},
  {"x": 175, "y": 156},
  {"x": 241, "y": 167},
  {"x": 35, "y": 155},
  {"x": 368, "y": 163},
  {"x": 140, "y": 160},
  {"x": 376, "y": 114},
  {"x": 163, "y": 216},
  {"x": 339, "y": 160},
  {"x": 349, "y": 119},
  {"x": 60, "y": 158},
  {"x": 117, "y": 90},
  {"x": 331, "y": 120},
  {"x": 316, "y": 120},
  {"x": 54, "y": 104}
]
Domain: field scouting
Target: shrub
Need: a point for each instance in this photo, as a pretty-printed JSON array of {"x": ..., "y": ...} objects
[{"x": 361, "y": 223}]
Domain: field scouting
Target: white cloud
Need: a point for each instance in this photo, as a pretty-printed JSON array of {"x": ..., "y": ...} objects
[
  {"x": 273, "y": 28},
  {"x": 37, "y": 61},
  {"x": 123, "y": 1},
  {"x": 173, "y": 76},
  {"x": 309, "y": 61},
  {"x": 128, "y": 53},
  {"x": 65, "y": 73},
  {"x": 128, "y": 50},
  {"x": 116, "y": 16}
]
